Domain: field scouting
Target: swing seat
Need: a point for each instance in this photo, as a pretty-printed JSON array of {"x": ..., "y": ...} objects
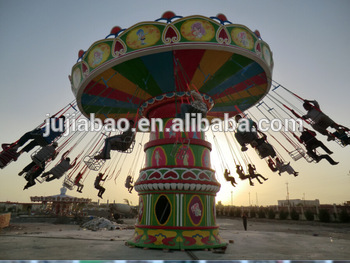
[
  {"x": 264, "y": 150},
  {"x": 297, "y": 154},
  {"x": 68, "y": 183},
  {"x": 34, "y": 159},
  {"x": 37, "y": 161},
  {"x": 245, "y": 137},
  {"x": 324, "y": 122},
  {"x": 7, "y": 156},
  {"x": 39, "y": 138},
  {"x": 309, "y": 159},
  {"x": 343, "y": 139},
  {"x": 243, "y": 177},
  {"x": 39, "y": 179},
  {"x": 127, "y": 146},
  {"x": 195, "y": 110},
  {"x": 92, "y": 163}
]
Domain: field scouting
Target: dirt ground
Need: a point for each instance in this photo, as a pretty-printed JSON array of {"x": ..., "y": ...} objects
[{"x": 265, "y": 239}]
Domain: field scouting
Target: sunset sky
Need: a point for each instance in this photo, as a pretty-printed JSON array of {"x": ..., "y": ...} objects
[{"x": 39, "y": 44}]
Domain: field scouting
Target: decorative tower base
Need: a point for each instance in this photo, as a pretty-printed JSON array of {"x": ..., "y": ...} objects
[{"x": 177, "y": 189}]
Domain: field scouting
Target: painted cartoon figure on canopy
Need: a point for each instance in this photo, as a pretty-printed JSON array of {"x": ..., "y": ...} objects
[
  {"x": 197, "y": 30},
  {"x": 142, "y": 36},
  {"x": 98, "y": 55},
  {"x": 242, "y": 36}
]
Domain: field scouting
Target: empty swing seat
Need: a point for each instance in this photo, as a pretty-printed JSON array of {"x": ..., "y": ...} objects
[
  {"x": 92, "y": 163},
  {"x": 297, "y": 154},
  {"x": 68, "y": 183}
]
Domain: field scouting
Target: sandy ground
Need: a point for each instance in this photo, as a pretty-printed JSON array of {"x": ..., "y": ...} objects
[{"x": 265, "y": 239}]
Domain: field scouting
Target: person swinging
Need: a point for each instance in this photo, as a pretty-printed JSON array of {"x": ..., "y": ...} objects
[
  {"x": 263, "y": 147},
  {"x": 320, "y": 121},
  {"x": 197, "y": 106},
  {"x": 308, "y": 138},
  {"x": 252, "y": 174},
  {"x": 41, "y": 136},
  {"x": 281, "y": 167},
  {"x": 46, "y": 153},
  {"x": 98, "y": 186},
  {"x": 121, "y": 142},
  {"x": 128, "y": 183},
  {"x": 32, "y": 174},
  {"x": 77, "y": 182},
  {"x": 242, "y": 175},
  {"x": 230, "y": 178},
  {"x": 37, "y": 166},
  {"x": 246, "y": 131},
  {"x": 58, "y": 171}
]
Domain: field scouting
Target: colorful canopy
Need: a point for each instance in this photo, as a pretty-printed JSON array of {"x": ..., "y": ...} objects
[{"x": 228, "y": 64}]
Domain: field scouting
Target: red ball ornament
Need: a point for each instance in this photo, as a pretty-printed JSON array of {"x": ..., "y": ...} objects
[
  {"x": 168, "y": 14},
  {"x": 222, "y": 17},
  {"x": 81, "y": 53},
  {"x": 115, "y": 30},
  {"x": 257, "y": 33}
]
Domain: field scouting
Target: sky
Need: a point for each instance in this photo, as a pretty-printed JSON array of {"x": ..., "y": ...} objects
[{"x": 39, "y": 44}]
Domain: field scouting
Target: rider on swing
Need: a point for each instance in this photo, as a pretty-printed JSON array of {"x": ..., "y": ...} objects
[
  {"x": 320, "y": 120},
  {"x": 229, "y": 178},
  {"x": 128, "y": 183}
]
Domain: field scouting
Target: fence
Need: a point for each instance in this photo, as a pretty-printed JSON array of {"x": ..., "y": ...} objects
[{"x": 323, "y": 213}]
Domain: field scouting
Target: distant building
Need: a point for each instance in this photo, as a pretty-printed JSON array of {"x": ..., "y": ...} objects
[
  {"x": 61, "y": 204},
  {"x": 16, "y": 207},
  {"x": 298, "y": 202}
]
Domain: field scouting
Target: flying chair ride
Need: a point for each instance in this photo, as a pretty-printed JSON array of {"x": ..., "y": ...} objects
[{"x": 148, "y": 71}]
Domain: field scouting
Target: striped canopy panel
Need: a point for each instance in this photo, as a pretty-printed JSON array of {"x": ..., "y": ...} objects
[{"x": 229, "y": 79}]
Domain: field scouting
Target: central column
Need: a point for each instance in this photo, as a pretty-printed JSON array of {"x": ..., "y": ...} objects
[{"x": 177, "y": 187}]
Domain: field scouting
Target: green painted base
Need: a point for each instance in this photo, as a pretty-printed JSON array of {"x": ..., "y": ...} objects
[{"x": 177, "y": 238}]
